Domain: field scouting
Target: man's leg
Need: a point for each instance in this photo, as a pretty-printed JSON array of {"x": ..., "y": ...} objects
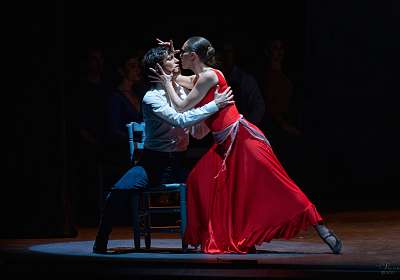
[
  {"x": 133, "y": 181},
  {"x": 113, "y": 201}
]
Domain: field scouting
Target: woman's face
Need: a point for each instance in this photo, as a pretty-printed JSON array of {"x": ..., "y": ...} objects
[
  {"x": 132, "y": 70},
  {"x": 170, "y": 64},
  {"x": 185, "y": 55}
]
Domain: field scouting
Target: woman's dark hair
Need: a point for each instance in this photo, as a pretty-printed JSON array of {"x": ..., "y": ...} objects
[{"x": 203, "y": 48}]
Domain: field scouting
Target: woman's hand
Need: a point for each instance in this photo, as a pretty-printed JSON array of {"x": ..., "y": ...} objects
[
  {"x": 169, "y": 44},
  {"x": 224, "y": 98},
  {"x": 160, "y": 75},
  {"x": 176, "y": 73}
]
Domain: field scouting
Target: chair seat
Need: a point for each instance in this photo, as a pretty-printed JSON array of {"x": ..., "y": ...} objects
[{"x": 164, "y": 188}]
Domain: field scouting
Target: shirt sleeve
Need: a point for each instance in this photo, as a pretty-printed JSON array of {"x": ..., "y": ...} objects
[{"x": 180, "y": 119}]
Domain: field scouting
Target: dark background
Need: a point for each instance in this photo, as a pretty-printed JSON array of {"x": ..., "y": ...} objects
[{"x": 342, "y": 58}]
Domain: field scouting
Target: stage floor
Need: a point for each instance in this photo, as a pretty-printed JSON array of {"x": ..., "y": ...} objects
[{"x": 371, "y": 250}]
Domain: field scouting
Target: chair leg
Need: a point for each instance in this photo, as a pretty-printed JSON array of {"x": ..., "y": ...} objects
[
  {"x": 182, "y": 199},
  {"x": 147, "y": 240},
  {"x": 135, "y": 199},
  {"x": 184, "y": 246},
  {"x": 147, "y": 221}
]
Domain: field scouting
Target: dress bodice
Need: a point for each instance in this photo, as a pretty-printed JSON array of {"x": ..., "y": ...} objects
[{"x": 224, "y": 117}]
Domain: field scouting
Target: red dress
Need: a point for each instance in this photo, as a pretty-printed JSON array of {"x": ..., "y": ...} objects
[{"x": 247, "y": 199}]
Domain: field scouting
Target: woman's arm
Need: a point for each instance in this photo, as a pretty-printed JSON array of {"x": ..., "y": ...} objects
[
  {"x": 185, "y": 81},
  {"x": 206, "y": 81},
  {"x": 154, "y": 103}
]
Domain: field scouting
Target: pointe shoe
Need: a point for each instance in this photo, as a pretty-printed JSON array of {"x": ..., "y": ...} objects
[{"x": 337, "y": 247}]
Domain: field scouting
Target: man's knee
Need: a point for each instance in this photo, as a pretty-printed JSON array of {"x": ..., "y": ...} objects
[{"x": 134, "y": 178}]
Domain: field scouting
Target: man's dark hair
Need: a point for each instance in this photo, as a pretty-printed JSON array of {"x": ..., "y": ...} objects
[{"x": 152, "y": 57}]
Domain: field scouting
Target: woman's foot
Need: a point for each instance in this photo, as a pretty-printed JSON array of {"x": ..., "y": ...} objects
[{"x": 330, "y": 238}]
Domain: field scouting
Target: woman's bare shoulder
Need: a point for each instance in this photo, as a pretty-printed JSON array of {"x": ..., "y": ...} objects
[{"x": 209, "y": 75}]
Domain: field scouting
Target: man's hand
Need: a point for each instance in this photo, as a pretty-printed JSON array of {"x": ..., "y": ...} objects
[{"x": 224, "y": 98}]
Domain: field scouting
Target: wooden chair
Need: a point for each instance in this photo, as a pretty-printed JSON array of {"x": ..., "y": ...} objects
[{"x": 143, "y": 225}]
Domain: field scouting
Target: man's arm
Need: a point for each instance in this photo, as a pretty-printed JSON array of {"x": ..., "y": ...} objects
[
  {"x": 180, "y": 119},
  {"x": 162, "y": 109}
]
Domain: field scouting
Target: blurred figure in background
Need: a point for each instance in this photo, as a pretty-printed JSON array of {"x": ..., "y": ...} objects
[
  {"x": 280, "y": 119},
  {"x": 90, "y": 95},
  {"x": 248, "y": 96},
  {"x": 123, "y": 106}
]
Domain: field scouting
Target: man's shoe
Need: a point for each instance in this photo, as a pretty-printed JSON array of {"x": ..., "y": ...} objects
[{"x": 100, "y": 245}]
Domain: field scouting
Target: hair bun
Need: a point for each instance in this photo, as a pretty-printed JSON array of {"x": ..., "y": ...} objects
[{"x": 210, "y": 52}]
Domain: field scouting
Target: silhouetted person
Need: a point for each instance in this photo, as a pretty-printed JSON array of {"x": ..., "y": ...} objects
[
  {"x": 123, "y": 106},
  {"x": 91, "y": 94},
  {"x": 248, "y": 96},
  {"x": 280, "y": 120}
]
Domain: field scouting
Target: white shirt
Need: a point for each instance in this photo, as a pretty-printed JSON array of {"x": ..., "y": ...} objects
[{"x": 166, "y": 130}]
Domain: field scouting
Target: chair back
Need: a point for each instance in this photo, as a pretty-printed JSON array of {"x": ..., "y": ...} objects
[
  {"x": 136, "y": 140},
  {"x": 136, "y": 143}
]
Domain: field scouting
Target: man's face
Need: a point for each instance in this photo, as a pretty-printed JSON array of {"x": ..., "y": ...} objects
[
  {"x": 170, "y": 64},
  {"x": 96, "y": 61},
  {"x": 277, "y": 50},
  {"x": 132, "y": 70}
]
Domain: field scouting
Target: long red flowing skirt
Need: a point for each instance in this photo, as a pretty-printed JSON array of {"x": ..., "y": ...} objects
[{"x": 251, "y": 201}]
